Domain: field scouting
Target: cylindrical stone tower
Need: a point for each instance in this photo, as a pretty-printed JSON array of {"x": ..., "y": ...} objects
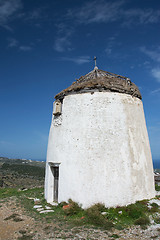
[{"x": 98, "y": 147}]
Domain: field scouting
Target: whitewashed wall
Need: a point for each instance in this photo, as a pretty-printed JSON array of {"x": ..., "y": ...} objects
[{"x": 102, "y": 145}]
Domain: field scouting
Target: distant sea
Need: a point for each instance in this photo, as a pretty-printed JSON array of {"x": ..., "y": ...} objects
[{"x": 156, "y": 164}]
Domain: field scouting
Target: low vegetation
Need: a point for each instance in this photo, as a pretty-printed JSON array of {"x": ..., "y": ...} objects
[
  {"x": 24, "y": 169},
  {"x": 24, "y": 182},
  {"x": 72, "y": 214},
  {"x": 21, "y": 173},
  {"x": 157, "y": 187}
]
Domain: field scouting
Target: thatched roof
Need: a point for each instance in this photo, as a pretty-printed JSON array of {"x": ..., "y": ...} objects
[{"x": 102, "y": 81}]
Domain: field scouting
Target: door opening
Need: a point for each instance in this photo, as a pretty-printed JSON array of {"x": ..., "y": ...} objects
[{"x": 55, "y": 171}]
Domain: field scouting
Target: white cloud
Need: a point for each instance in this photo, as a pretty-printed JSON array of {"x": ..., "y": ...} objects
[
  {"x": 140, "y": 16},
  {"x": 110, "y": 44},
  {"x": 12, "y": 42},
  {"x": 62, "y": 42},
  {"x": 153, "y": 54},
  {"x": 155, "y": 91},
  {"x": 100, "y": 11},
  {"x": 7, "y": 9},
  {"x": 61, "y": 27},
  {"x": 108, "y": 50},
  {"x": 156, "y": 73},
  {"x": 39, "y": 14},
  {"x": 10, "y": 10},
  {"x": 35, "y": 14},
  {"x": 90, "y": 12},
  {"x": 96, "y": 12},
  {"x": 77, "y": 60},
  {"x": 25, "y": 48}
]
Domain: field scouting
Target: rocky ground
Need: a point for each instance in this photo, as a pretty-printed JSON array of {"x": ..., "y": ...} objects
[
  {"x": 22, "y": 216},
  {"x": 15, "y": 223}
]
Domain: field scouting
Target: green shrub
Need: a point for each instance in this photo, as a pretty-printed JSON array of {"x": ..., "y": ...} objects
[
  {"x": 133, "y": 212},
  {"x": 154, "y": 208},
  {"x": 137, "y": 210},
  {"x": 142, "y": 221},
  {"x": 99, "y": 207},
  {"x": 96, "y": 218},
  {"x": 61, "y": 204},
  {"x": 73, "y": 208},
  {"x": 154, "y": 205},
  {"x": 119, "y": 227},
  {"x": 157, "y": 187}
]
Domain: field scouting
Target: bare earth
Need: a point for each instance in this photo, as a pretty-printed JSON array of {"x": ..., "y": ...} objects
[{"x": 15, "y": 224}]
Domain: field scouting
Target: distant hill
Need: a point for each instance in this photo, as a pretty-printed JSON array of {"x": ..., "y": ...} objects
[
  {"x": 22, "y": 161},
  {"x": 21, "y": 173}
]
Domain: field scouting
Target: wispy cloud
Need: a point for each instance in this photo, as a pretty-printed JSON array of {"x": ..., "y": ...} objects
[
  {"x": 62, "y": 41},
  {"x": 153, "y": 54},
  {"x": 140, "y": 16},
  {"x": 77, "y": 60},
  {"x": 100, "y": 11},
  {"x": 90, "y": 12},
  {"x": 25, "y": 48},
  {"x": 155, "y": 91},
  {"x": 61, "y": 28},
  {"x": 96, "y": 12},
  {"x": 156, "y": 73},
  {"x": 7, "y": 10},
  {"x": 11, "y": 10},
  {"x": 35, "y": 14},
  {"x": 110, "y": 45},
  {"x": 12, "y": 42}
]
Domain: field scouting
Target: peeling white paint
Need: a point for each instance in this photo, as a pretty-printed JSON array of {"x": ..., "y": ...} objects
[{"x": 103, "y": 150}]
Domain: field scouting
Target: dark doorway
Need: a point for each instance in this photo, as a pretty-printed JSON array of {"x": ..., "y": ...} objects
[{"x": 55, "y": 171}]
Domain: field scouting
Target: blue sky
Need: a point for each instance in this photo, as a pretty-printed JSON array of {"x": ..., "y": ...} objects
[{"x": 46, "y": 45}]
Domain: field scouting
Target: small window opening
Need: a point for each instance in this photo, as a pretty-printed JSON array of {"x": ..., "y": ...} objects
[{"x": 57, "y": 108}]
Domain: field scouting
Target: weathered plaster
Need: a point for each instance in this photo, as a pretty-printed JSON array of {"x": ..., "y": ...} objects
[{"x": 103, "y": 149}]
